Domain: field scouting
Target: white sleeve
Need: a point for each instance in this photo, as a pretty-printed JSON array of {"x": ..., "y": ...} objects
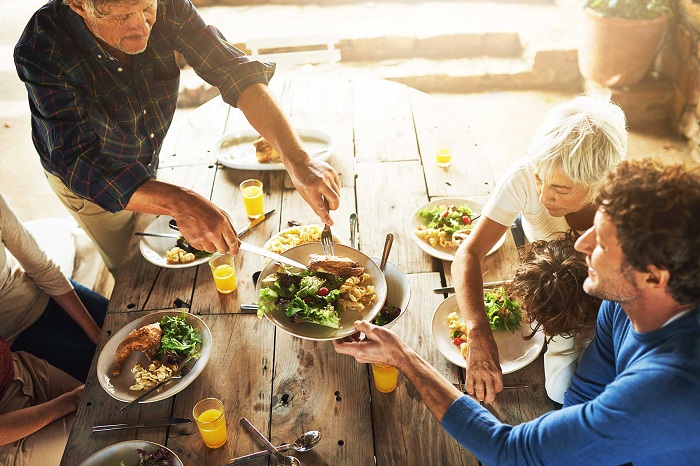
[
  {"x": 560, "y": 362},
  {"x": 510, "y": 197}
]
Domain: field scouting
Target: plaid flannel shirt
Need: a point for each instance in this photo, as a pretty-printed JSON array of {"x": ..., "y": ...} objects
[{"x": 98, "y": 125}]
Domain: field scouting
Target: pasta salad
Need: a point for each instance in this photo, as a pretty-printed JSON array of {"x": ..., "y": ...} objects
[{"x": 445, "y": 226}]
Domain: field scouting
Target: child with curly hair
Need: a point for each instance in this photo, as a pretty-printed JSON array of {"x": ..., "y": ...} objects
[{"x": 549, "y": 286}]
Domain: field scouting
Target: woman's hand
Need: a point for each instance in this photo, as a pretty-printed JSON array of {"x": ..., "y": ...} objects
[{"x": 484, "y": 377}]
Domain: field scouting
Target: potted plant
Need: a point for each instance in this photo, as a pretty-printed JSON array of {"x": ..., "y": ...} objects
[{"x": 620, "y": 39}]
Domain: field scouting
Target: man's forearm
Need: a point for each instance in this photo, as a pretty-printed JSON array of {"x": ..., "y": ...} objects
[{"x": 156, "y": 197}]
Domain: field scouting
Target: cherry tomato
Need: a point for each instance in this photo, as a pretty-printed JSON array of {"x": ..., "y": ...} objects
[
  {"x": 445, "y": 214},
  {"x": 466, "y": 220},
  {"x": 457, "y": 341},
  {"x": 323, "y": 291},
  {"x": 309, "y": 299}
]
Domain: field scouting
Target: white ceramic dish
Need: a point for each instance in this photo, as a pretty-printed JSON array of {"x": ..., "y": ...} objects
[
  {"x": 153, "y": 248},
  {"x": 446, "y": 254},
  {"x": 347, "y": 318},
  {"x": 118, "y": 387},
  {"x": 268, "y": 244},
  {"x": 126, "y": 452},
  {"x": 236, "y": 150},
  {"x": 398, "y": 288},
  {"x": 514, "y": 352}
]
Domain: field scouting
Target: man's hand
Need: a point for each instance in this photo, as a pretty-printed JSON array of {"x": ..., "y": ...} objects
[
  {"x": 484, "y": 377},
  {"x": 380, "y": 346},
  {"x": 315, "y": 181},
  {"x": 206, "y": 227}
]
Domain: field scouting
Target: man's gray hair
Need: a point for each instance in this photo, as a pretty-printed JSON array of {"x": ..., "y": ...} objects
[{"x": 584, "y": 138}]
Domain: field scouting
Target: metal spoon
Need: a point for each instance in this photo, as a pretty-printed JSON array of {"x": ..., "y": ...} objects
[
  {"x": 353, "y": 229},
  {"x": 387, "y": 247},
  {"x": 305, "y": 442}
]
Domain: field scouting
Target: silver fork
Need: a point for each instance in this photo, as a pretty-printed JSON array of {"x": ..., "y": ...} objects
[
  {"x": 184, "y": 369},
  {"x": 327, "y": 236}
]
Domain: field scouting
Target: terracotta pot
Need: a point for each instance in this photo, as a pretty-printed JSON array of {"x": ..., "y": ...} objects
[{"x": 618, "y": 52}]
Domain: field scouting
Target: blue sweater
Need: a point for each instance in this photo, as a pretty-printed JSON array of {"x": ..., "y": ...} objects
[{"x": 635, "y": 398}]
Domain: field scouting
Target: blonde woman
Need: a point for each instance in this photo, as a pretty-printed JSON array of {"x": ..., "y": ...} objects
[{"x": 550, "y": 191}]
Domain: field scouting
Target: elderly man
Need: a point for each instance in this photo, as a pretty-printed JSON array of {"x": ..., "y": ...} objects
[
  {"x": 103, "y": 85},
  {"x": 634, "y": 397}
]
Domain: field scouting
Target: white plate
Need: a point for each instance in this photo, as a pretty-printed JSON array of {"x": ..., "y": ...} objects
[
  {"x": 126, "y": 452},
  {"x": 446, "y": 254},
  {"x": 347, "y": 318},
  {"x": 118, "y": 387},
  {"x": 153, "y": 248},
  {"x": 268, "y": 243},
  {"x": 514, "y": 352},
  {"x": 236, "y": 150}
]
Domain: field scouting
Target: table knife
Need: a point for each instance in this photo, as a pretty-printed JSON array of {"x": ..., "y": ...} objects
[
  {"x": 255, "y": 223},
  {"x": 271, "y": 255},
  {"x": 463, "y": 388},
  {"x": 451, "y": 289},
  {"x": 168, "y": 421},
  {"x": 158, "y": 235}
]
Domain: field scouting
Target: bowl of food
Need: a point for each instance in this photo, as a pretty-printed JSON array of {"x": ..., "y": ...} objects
[
  {"x": 398, "y": 295},
  {"x": 321, "y": 303}
]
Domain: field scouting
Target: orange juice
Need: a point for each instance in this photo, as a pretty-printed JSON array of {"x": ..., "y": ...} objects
[
  {"x": 253, "y": 200},
  {"x": 212, "y": 426},
  {"x": 225, "y": 278},
  {"x": 385, "y": 377},
  {"x": 443, "y": 158}
]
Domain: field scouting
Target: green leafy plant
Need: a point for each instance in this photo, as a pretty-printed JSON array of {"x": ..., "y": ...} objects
[{"x": 631, "y": 9}]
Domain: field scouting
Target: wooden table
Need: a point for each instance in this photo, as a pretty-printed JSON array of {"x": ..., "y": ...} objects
[{"x": 385, "y": 135}]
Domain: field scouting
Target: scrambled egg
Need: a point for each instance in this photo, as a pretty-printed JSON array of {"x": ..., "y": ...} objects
[
  {"x": 146, "y": 379},
  {"x": 177, "y": 255}
]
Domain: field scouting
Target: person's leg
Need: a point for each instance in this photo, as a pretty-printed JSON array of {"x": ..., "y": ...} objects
[
  {"x": 109, "y": 231},
  {"x": 95, "y": 303}
]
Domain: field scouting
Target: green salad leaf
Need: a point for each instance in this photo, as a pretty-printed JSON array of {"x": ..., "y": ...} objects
[
  {"x": 180, "y": 340},
  {"x": 503, "y": 313},
  {"x": 449, "y": 219}
]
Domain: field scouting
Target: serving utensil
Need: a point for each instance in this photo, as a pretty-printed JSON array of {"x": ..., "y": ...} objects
[
  {"x": 353, "y": 230},
  {"x": 270, "y": 255},
  {"x": 168, "y": 421},
  {"x": 182, "y": 371},
  {"x": 305, "y": 442},
  {"x": 387, "y": 248},
  {"x": 327, "y": 236},
  {"x": 158, "y": 235},
  {"x": 281, "y": 459}
]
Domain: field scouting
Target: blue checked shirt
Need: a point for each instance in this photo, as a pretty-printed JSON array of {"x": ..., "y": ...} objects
[{"x": 98, "y": 125}]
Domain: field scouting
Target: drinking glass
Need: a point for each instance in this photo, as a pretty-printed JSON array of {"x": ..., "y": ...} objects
[
  {"x": 252, "y": 192},
  {"x": 385, "y": 377},
  {"x": 224, "y": 272},
  {"x": 210, "y": 419},
  {"x": 443, "y": 157}
]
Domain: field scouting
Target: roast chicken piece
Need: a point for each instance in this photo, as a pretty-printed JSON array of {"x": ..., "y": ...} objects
[
  {"x": 335, "y": 265},
  {"x": 264, "y": 152},
  {"x": 145, "y": 339}
]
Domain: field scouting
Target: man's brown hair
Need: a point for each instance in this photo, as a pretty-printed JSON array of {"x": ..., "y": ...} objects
[{"x": 656, "y": 208}]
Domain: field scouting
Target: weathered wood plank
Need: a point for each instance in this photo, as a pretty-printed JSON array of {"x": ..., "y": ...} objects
[
  {"x": 239, "y": 373},
  {"x": 387, "y": 195},
  {"x": 383, "y": 122},
  {"x": 99, "y": 408},
  {"x": 425, "y": 442}
]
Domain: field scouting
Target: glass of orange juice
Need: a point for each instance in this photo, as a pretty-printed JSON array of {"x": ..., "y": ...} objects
[
  {"x": 443, "y": 157},
  {"x": 252, "y": 192},
  {"x": 385, "y": 377},
  {"x": 210, "y": 419},
  {"x": 224, "y": 272}
]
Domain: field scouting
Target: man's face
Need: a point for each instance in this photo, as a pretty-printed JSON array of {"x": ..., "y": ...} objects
[
  {"x": 124, "y": 26},
  {"x": 608, "y": 275}
]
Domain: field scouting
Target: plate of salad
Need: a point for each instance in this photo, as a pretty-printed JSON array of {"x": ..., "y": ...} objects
[
  {"x": 134, "y": 453},
  {"x": 440, "y": 226},
  {"x": 311, "y": 305},
  {"x": 183, "y": 336},
  {"x": 508, "y": 326}
]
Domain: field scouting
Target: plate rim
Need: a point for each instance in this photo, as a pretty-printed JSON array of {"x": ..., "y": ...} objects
[
  {"x": 178, "y": 385},
  {"x": 143, "y": 245},
  {"x": 137, "y": 444},
  {"x": 438, "y": 253},
  {"x": 278, "y": 166},
  {"x": 538, "y": 339}
]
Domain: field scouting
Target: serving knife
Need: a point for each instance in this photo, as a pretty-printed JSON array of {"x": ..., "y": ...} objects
[
  {"x": 168, "y": 421},
  {"x": 255, "y": 223},
  {"x": 271, "y": 255}
]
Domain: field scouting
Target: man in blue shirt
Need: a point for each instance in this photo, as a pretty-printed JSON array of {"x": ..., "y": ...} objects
[
  {"x": 634, "y": 397},
  {"x": 103, "y": 84}
]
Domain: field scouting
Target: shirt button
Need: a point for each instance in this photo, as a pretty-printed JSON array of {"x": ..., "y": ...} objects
[
  {"x": 152, "y": 135},
  {"x": 144, "y": 111},
  {"x": 120, "y": 69},
  {"x": 99, "y": 56}
]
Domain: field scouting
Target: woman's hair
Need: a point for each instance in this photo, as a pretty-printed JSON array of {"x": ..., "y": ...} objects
[
  {"x": 549, "y": 286},
  {"x": 584, "y": 138},
  {"x": 655, "y": 208},
  {"x": 96, "y": 7}
]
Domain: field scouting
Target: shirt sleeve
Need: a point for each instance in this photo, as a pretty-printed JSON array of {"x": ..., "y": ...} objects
[
  {"x": 509, "y": 198},
  {"x": 78, "y": 155},
  {"x": 560, "y": 361},
  {"x": 212, "y": 57}
]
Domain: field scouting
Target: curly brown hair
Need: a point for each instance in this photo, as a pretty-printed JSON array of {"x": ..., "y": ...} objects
[
  {"x": 655, "y": 209},
  {"x": 548, "y": 283}
]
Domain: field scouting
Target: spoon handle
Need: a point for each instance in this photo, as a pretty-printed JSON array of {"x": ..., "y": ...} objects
[
  {"x": 256, "y": 455},
  {"x": 262, "y": 439},
  {"x": 387, "y": 247}
]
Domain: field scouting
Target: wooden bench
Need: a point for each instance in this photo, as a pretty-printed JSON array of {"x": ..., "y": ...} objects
[{"x": 295, "y": 50}]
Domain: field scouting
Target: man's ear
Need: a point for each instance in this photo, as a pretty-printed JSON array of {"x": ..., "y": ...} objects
[
  {"x": 656, "y": 277},
  {"x": 78, "y": 7}
]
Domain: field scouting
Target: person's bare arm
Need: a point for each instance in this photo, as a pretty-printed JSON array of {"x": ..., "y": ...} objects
[
  {"x": 382, "y": 346},
  {"x": 483, "y": 377},
  {"x": 74, "y": 307},
  {"x": 312, "y": 178},
  {"x": 18, "y": 424},
  {"x": 201, "y": 222}
]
